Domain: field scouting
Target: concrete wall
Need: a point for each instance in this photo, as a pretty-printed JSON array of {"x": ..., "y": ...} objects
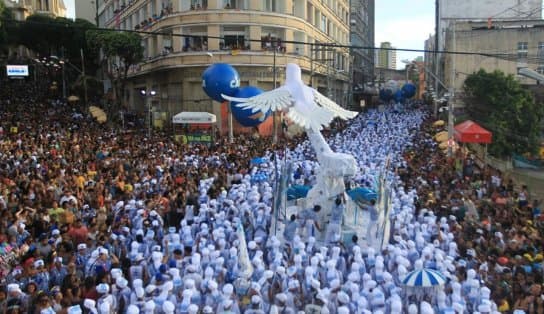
[
  {"x": 86, "y": 9},
  {"x": 503, "y": 39}
]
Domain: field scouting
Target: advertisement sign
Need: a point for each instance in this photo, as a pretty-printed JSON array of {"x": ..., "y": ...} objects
[{"x": 17, "y": 70}]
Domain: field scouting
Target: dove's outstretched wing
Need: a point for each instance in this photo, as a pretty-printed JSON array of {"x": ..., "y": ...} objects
[
  {"x": 331, "y": 106},
  {"x": 273, "y": 100}
]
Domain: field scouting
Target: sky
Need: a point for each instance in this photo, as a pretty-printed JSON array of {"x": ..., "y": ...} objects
[
  {"x": 404, "y": 23},
  {"x": 70, "y": 8}
]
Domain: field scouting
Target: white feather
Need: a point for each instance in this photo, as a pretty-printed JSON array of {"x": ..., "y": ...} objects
[{"x": 305, "y": 106}]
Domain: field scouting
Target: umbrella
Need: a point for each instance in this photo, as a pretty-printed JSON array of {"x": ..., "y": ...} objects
[
  {"x": 362, "y": 195},
  {"x": 439, "y": 123},
  {"x": 98, "y": 114},
  {"x": 258, "y": 160},
  {"x": 441, "y": 137},
  {"x": 424, "y": 278},
  {"x": 297, "y": 191},
  {"x": 73, "y": 98}
]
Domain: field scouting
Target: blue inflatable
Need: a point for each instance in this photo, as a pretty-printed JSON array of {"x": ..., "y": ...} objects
[
  {"x": 399, "y": 97},
  {"x": 362, "y": 195},
  {"x": 297, "y": 191},
  {"x": 386, "y": 95},
  {"x": 409, "y": 90},
  {"x": 246, "y": 117},
  {"x": 220, "y": 78}
]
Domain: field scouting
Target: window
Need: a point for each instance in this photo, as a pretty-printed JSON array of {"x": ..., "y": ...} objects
[
  {"x": 323, "y": 26},
  {"x": 270, "y": 5},
  {"x": 234, "y": 38},
  {"x": 540, "y": 52},
  {"x": 522, "y": 50},
  {"x": 198, "y": 41},
  {"x": 199, "y": 4}
]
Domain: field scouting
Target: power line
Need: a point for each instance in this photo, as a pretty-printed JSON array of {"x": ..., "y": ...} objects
[{"x": 508, "y": 57}]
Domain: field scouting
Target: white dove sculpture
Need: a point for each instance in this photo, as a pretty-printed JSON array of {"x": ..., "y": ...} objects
[{"x": 312, "y": 111}]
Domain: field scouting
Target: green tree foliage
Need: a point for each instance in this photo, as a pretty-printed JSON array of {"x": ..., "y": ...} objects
[
  {"x": 5, "y": 18},
  {"x": 502, "y": 105},
  {"x": 47, "y": 35},
  {"x": 119, "y": 51}
]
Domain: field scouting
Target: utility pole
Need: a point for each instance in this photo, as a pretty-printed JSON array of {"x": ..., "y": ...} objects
[
  {"x": 84, "y": 77},
  {"x": 274, "y": 126},
  {"x": 436, "y": 55},
  {"x": 452, "y": 95}
]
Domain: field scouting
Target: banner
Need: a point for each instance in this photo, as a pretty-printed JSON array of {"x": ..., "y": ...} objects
[
  {"x": 196, "y": 138},
  {"x": 244, "y": 264}
]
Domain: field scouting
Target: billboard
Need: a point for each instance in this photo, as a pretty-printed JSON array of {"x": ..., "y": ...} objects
[{"x": 17, "y": 70}]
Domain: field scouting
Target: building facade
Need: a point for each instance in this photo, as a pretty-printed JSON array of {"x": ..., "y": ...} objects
[
  {"x": 362, "y": 35},
  {"x": 23, "y": 8},
  {"x": 86, "y": 9},
  {"x": 251, "y": 35},
  {"x": 515, "y": 44},
  {"x": 387, "y": 56},
  {"x": 490, "y": 12}
]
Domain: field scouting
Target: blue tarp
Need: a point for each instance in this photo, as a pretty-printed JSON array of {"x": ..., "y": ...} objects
[
  {"x": 258, "y": 160},
  {"x": 362, "y": 195},
  {"x": 297, "y": 191}
]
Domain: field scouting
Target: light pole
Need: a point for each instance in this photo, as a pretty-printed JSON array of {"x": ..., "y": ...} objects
[
  {"x": 148, "y": 96},
  {"x": 274, "y": 126}
]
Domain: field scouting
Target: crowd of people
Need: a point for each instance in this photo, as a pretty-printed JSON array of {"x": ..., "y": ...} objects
[{"x": 103, "y": 220}]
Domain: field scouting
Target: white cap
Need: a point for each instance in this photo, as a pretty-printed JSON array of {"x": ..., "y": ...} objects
[
  {"x": 89, "y": 304},
  {"x": 168, "y": 307},
  {"x": 133, "y": 309},
  {"x": 103, "y": 288}
]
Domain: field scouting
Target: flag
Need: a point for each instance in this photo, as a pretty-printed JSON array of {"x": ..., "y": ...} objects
[{"x": 244, "y": 264}]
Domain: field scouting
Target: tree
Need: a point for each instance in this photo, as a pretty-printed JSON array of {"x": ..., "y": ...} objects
[
  {"x": 502, "y": 105},
  {"x": 120, "y": 51},
  {"x": 6, "y": 17}
]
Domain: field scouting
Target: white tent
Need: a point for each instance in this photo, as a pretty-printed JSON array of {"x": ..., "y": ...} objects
[{"x": 194, "y": 117}]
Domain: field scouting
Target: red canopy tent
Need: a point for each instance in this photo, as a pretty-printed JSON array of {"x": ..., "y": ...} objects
[{"x": 470, "y": 132}]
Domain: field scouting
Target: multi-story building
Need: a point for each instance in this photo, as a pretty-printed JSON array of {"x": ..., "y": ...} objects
[
  {"x": 387, "y": 56},
  {"x": 86, "y": 9},
  {"x": 515, "y": 44},
  {"x": 362, "y": 35},
  {"x": 23, "y": 8},
  {"x": 452, "y": 12},
  {"x": 251, "y": 35}
]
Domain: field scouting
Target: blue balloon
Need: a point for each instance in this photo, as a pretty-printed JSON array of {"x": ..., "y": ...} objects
[
  {"x": 399, "y": 97},
  {"x": 409, "y": 90},
  {"x": 386, "y": 95},
  {"x": 220, "y": 78},
  {"x": 246, "y": 117}
]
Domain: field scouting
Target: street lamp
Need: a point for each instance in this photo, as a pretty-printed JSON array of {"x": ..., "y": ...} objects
[{"x": 149, "y": 95}]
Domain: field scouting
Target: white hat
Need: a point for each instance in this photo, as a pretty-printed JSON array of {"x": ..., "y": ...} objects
[
  {"x": 168, "y": 307},
  {"x": 76, "y": 309},
  {"x": 55, "y": 232},
  {"x": 121, "y": 282},
  {"x": 343, "y": 310},
  {"x": 89, "y": 304},
  {"x": 82, "y": 246},
  {"x": 116, "y": 272},
  {"x": 133, "y": 309},
  {"x": 282, "y": 297},
  {"x": 103, "y": 288},
  {"x": 12, "y": 287},
  {"x": 193, "y": 309},
  {"x": 149, "y": 305},
  {"x": 228, "y": 289}
]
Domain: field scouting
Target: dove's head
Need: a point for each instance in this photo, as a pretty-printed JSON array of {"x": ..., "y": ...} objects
[{"x": 293, "y": 73}]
